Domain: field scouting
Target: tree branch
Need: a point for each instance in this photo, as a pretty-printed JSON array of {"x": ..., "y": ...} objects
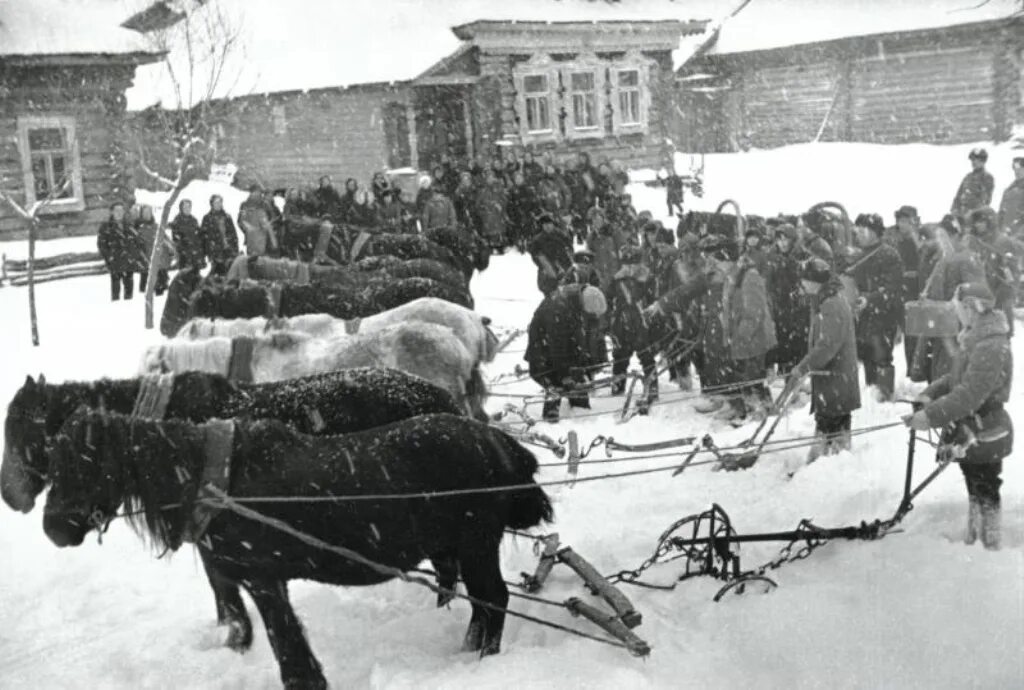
[{"x": 153, "y": 173}]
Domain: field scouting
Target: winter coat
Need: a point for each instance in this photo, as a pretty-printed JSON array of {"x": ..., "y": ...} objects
[
  {"x": 463, "y": 200},
  {"x": 120, "y": 246},
  {"x": 974, "y": 192},
  {"x": 832, "y": 354},
  {"x": 327, "y": 203},
  {"x": 975, "y": 389},
  {"x": 556, "y": 342},
  {"x": 1011, "y": 209},
  {"x": 790, "y": 310},
  {"x": 950, "y": 271},
  {"x": 552, "y": 196},
  {"x": 438, "y": 212},
  {"x": 391, "y": 216},
  {"x": 910, "y": 257},
  {"x": 749, "y": 327},
  {"x": 361, "y": 215},
  {"x": 218, "y": 235},
  {"x": 254, "y": 221},
  {"x": 490, "y": 210},
  {"x": 581, "y": 274},
  {"x": 632, "y": 291},
  {"x": 606, "y": 243},
  {"x": 879, "y": 277},
  {"x": 146, "y": 229},
  {"x": 552, "y": 253},
  {"x": 522, "y": 208},
  {"x": 700, "y": 299}
]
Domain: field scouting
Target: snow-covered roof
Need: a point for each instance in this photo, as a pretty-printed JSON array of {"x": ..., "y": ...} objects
[
  {"x": 321, "y": 43},
  {"x": 769, "y": 24},
  {"x": 68, "y": 27}
]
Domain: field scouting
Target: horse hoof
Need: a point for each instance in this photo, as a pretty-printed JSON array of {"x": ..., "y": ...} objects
[
  {"x": 239, "y": 637},
  {"x": 474, "y": 640},
  {"x": 305, "y": 684}
]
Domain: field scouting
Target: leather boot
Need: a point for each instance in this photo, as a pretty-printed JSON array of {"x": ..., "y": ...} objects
[
  {"x": 886, "y": 381},
  {"x": 870, "y": 374},
  {"x": 818, "y": 448},
  {"x": 973, "y": 521},
  {"x": 991, "y": 527}
]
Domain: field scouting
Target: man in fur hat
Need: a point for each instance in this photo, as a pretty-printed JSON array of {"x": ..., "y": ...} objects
[
  {"x": 976, "y": 188},
  {"x": 967, "y": 403},
  {"x": 556, "y": 350},
  {"x": 632, "y": 291},
  {"x": 879, "y": 277}
]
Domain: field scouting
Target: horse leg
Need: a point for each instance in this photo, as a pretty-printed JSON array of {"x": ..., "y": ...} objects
[
  {"x": 230, "y": 607},
  {"x": 447, "y": 567},
  {"x": 300, "y": 670},
  {"x": 481, "y": 571}
]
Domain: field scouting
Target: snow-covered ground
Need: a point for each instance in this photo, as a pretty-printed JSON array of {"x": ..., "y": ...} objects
[{"x": 914, "y": 610}]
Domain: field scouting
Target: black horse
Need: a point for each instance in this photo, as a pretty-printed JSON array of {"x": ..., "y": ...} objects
[
  {"x": 227, "y": 302},
  {"x": 412, "y": 268},
  {"x": 470, "y": 251},
  {"x": 334, "y": 403},
  {"x": 401, "y": 246},
  {"x": 102, "y": 461}
]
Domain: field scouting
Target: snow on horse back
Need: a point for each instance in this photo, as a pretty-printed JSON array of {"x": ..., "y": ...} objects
[{"x": 428, "y": 350}]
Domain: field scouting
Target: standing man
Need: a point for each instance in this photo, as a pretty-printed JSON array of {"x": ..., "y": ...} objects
[
  {"x": 904, "y": 238},
  {"x": 551, "y": 251},
  {"x": 556, "y": 349},
  {"x": 879, "y": 276},
  {"x": 976, "y": 188},
  {"x": 967, "y": 403},
  {"x": 1011, "y": 207}
]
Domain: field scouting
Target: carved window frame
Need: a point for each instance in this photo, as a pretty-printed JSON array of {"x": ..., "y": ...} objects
[
  {"x": 642, "y": 66},
  {"x": 537, "y": 66},
  {"x": 73, "y": 160}
]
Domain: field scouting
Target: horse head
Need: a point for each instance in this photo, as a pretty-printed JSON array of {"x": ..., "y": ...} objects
[
  {"x": 83, "y": 493},
  {"x": 23, "y": 468}
]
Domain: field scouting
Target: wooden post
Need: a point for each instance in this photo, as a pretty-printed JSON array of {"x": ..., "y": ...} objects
[
  {"x": 33, "y": 319},
  {"x": 533, "y": 583},
  {"x": 574, "y": 453}
]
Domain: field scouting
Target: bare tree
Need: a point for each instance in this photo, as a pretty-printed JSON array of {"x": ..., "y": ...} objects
[
  {"x": 31, "y": 217},
  {"x": 197, "y": 64}
]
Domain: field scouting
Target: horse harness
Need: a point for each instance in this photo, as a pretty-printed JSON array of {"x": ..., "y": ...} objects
[{"x": 218, "y": 442}]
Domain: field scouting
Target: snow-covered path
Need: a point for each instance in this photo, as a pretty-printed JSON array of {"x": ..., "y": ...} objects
[{"x": 915, "y": 610}]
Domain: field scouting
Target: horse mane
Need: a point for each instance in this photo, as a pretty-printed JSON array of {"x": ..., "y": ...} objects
[{"x": 153, "y": 466}]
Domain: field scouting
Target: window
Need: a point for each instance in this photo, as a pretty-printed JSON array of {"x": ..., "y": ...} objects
[
  {"x": 50, "y": 161},
  {"x": 584, "y": 100},
  {"x": 538, "y": 105},
  {"x": 629, "y": 97},
  {"x": 280, "y": 120}
]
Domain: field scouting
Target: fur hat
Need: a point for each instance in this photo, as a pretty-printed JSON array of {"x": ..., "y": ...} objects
[
  {"x": 951, "y": 225},
  {"x": 425, "y": 181},
  {"x": 788, "y": 231},
  {"x": 984, "y": 214},
  {"x": 906, "y": 212},
  {"x": 815, "y": 270},
  {"x": 593, "y": 301},
  {"x": 545, "y": 218},
  {"x": 871, "y": 221},
  {"x": 719, "y": 247},
  {"x": 978, "y": 154},
  {"x": 979, "y": 292}
]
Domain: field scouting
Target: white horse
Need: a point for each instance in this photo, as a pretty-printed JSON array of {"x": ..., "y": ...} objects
[
  {"x": 468, "y": 326},
  {"x": 427, "y": 350}
]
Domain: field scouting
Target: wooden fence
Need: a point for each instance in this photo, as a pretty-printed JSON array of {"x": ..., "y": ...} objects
[{"x": 14, "y": 272}]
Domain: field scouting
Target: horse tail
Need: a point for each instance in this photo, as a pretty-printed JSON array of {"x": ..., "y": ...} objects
[
  {"x": 525, "y": 507},
  {"x": 476, "y": 393}
]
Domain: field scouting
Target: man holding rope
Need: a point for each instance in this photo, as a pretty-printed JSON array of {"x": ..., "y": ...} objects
[{"x": 967, "y": 403}]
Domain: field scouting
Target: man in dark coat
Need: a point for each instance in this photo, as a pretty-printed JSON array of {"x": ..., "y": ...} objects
[
  {"x": 220, "y": 240},
  {"x": 976, "y": 188},
  {"x": 327, "y": 201},
  {"x": 582, "y": 273},
  {"x": 188, "y": 238},
  {"x": 968, "y": 405},
  {"x": 556, "y": 349},
  {"x": 995, "y": 251},
  {"x": 632, "y": 292},
  {"x": 904, "y": 239},
  {"x": 790, "y": 308},
  {"x": 1011, "y": 206},
  {"x": 551, "y": 251},
  {"x": 122, "y": 251},
  {"x": 879, "y": 277},
  {"x": 831, "y": 361}
]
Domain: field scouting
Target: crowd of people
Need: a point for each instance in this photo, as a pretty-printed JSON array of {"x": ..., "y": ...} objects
[{"x": 798, "y": 296}]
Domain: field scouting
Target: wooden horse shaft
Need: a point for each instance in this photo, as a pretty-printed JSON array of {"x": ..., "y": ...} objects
[
  {"x": 610, "y": 624},
  {"x": 616, "y": 599}
]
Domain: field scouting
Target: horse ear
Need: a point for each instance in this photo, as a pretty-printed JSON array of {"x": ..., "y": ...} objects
[
  {"x": 486, "y": 320},
  {"x": 29, "y": 381},
  {"x": 42, "y": 380}
]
